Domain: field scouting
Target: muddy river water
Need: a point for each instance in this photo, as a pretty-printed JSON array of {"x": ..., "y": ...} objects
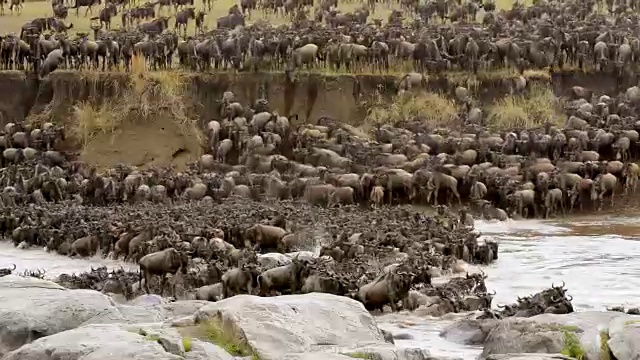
[{"x": 596, "y": 257}]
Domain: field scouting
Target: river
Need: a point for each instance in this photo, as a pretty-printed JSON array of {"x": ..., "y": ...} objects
[{"x": 595, "y": 257}]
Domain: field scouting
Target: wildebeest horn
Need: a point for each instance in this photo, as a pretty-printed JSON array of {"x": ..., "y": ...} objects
[
  {"x": 501, "y": 306},
  {"x": 569, "y": 297},
  {"x": 14, "y": 267},
  {"x": 562, "y": 284},
  {"x": 553, "y": 299},
  {"x": 494, "y": 293}
]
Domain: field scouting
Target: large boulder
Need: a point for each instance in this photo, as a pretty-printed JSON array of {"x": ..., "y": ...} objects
[
  {"x": 582, "y": 333},
  {"x": 97, "y": 342},
  {"x": 624, "y": 338},
  {"x": 201, "y": 350},
  {"x": 31, "y": 308},
  {"x": 526, "y": 356},
  {"x": 298, "y": 324},
  {"x": 153, "y": 308}
]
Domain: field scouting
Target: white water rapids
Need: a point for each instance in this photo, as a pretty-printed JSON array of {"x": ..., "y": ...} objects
[{"x": 597, "y": 260}]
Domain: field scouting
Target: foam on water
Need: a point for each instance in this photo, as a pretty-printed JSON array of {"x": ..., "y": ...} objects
[{"x": 52, "y": 263}]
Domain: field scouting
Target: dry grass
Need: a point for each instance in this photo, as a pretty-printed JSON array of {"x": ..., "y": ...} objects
[
  {"x": 534, "y": 109},
  {"x": 435, "y": 110},
  {"x": 148, "y": 96}
]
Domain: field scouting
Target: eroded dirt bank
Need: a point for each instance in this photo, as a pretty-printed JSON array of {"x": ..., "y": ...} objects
[{"x": 344, "y": 97}]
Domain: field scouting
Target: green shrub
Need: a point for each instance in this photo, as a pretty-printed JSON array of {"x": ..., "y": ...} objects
[{"x": 572, "y": 346}]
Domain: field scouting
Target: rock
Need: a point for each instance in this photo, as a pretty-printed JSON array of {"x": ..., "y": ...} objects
[
  {"x": 526, "y": 356},
  {"x": 93, "y": 342},
  {"x": 546, "y": 333},
  {"x": 142, "y": 313},
  {"x": 589, "y": 326},
  {"x": 293, "y": 324},
  {"x": 388, "y": 336},
  {"x": 150, "y": 309},
  {"x": 148, "y": 300},
  {"x": 388, "y": 352},
  {"x": 624, "y": 338},
  {"x": 31, "y": 308},
  {"x": 469, "y": 331},
  {"x": 317, "y": 356},
  {"x": 181, "y": 308},
  {"x": 201, "y": 350},
  {"x": 523, "y": 336},
  {"x": 403, "y": 336},
  {"x": 167, "y": 337}
]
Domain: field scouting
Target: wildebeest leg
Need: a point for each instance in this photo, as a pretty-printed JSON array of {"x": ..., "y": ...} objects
[
  {"x": 249, "y": 287},
  {"x": 146, "y": 281},
  {"x": 163, "y": 284}
]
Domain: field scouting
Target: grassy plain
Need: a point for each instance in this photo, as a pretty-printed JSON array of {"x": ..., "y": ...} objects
[{"x": 34, "y": 9}]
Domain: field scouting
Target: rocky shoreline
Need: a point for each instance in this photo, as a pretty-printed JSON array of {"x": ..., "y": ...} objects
[{"x": 42, "y": 320}]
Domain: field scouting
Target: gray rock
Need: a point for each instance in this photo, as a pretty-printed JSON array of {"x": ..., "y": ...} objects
[
  {"x": 528, "y": 357},
  {"x": 31, "y": 308},
  {"x": 142, "y": 313},
  {"x": 292, "y": 324},
  {"x": 403, "y": 336},
  {"x": 522, "y": 336},
  {"x": 589, "y": 325},
  {"x": 624, "y": 338},
  {"x": 389, "y": 352},
  {"x": 150, "y": 309},
  {"x": 181, "y": 308},
  {"x": 168, "y": 337},
  {"x": 469, "y": 331},
  {"x": 543, "y": 333},
  {"x": 148, "y": 300},
  {"x": 388, "y": 336},
  {"x": 93, "y": 342},
  {"x": 317, "y": 356},
  {"x": 201, "y": 350}
]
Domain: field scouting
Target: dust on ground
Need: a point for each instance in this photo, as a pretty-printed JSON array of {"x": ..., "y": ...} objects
[{"x": 162, "y": 142}]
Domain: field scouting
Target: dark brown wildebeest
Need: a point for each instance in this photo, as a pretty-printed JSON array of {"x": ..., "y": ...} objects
[
  {"x": 7, "y": 271},
  {"x": 182, "y": 19},
  {"x": 181, "y": 3},
  {"x": 17, "y": 4},
  {"x": 200, "y": 21},
  {"x": 87, "y": 3},
  {"x": 106, "y": 14},
  {"x": 167, "y": 261},
  {"x": 60, "y": 11},
  {"x": 155, "y": 26},
  {"x": 58, "y": 25}
]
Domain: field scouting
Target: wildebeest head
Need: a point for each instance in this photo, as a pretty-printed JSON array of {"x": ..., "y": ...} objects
[{"x": 7, "y": 271}]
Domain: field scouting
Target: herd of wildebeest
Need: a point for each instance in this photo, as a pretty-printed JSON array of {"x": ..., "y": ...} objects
[
  {"x": 276, "y": 207},
  {"x": 440, "y": 36}
]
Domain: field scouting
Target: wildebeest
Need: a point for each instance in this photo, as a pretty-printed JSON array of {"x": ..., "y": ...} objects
[
  {"x": 167, "y": 261},
  {"x": 7, "y": 271}
]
